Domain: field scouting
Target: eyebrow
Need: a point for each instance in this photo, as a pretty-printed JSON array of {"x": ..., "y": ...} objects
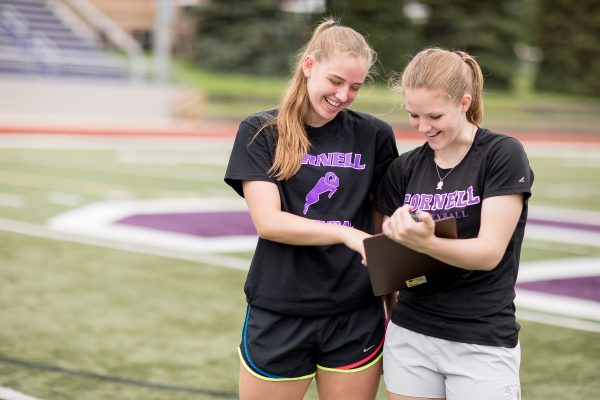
[
  {"x": 429, "y": 114},
  {"x": 342, "y": 79}
]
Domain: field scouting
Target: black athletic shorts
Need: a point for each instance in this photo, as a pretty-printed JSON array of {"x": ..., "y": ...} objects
[{"x": 279, "y": 347}]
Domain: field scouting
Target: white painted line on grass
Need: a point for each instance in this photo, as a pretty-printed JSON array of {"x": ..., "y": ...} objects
[
  {"x": 11, "y": 200},
  {"x": 169, "y": 159},
  {"x": 10, "y": 394},
  {"x": 98, "y": 220},
  {"x": 64, "y": 198},
  {"x": 564, "y": 215},
  {"x": 546, "y": 319},
  {"x": 556, "y": 304},
  {"x": 43, "y": 232},
  {"x": 558, "y": 269},
  {"x": 580, "y": 151},
  {"x": 99, "y": 142},
  {"x": 562, "y": 235}
]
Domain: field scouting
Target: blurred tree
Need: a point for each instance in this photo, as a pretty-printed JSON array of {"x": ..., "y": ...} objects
[
  {"x": 258, "y": 37},
  {"x": 248, "y": 36},
  {"x": 486, "y": 29},
  {"x": 385, "y": 25},
  {"x": 397, "y": 29},
  {"x": 568, "y": 33}
]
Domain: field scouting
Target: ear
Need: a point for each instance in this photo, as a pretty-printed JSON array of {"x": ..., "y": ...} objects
[
  {"x": 465, "y": 102},
  {"x": 307, "y": 65}
]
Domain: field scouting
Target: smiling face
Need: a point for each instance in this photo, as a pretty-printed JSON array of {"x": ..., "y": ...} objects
[
  {"x": 332, "y": 85},
  {"x": 439, "y": 118}
]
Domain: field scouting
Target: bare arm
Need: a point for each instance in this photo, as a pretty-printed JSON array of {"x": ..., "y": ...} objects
[
  {"x": 273, "y": 224},
  {"x": 499, "y": 217}
]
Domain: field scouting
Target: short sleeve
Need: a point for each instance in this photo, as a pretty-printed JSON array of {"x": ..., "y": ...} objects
[
  {"x": 390, "y": 193},
  {"x": 385, "y": 152},
  {"x": 251, "y": 156},
  {"x": 508, "y": 170}
]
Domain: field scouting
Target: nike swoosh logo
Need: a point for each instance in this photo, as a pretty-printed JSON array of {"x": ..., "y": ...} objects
[{"x": 368, "y": 348}]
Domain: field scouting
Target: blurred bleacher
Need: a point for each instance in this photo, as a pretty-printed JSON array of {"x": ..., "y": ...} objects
[
  {"x": 35, "y": 41},
  {"x": 65, "y": 61}
]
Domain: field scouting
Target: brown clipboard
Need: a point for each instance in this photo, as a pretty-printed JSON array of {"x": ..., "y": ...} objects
[{"x": 394, "y": 267}]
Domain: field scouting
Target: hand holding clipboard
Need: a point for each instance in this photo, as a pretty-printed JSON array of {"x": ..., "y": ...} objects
[{"x": 393, "y": 266}]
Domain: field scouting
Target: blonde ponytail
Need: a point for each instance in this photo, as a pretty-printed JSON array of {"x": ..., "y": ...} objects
[
  {"x": 455, "y": 72},
  {"x": 328, "y": 39}
]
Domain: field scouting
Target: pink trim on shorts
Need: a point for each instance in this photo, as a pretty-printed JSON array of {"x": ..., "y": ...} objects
[
  {"x": 364, "y": 360},
  {"x": 375, "y": 352}
]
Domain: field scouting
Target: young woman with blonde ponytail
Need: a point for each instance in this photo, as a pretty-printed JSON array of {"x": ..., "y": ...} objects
[
  {"x": 307, "y": 171},
  {"x": 456, "y": 339}
]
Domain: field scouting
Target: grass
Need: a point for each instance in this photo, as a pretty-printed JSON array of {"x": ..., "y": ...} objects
[
  {"x": 566, "y": 182},
  {"x": 115, "y": 313},
  {"x": 165, "y": 321},
  {"x": 68, "y": 310},
  {"x": 555, "y": 366}
]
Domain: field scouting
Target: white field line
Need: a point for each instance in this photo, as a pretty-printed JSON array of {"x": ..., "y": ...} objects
[
  {"x": 64, "y": 198},
  {"x": 124, "y": 168},
  {"x": 560, "y": 234},
  {"x": 564, "y": 306},
  {"x": 571, "y": 323},
  {"x": 10, "y": 394},
  {"x": 43, "y": 232},
  {"x": 534, "y": 148},
  {"x": 97, "y": 220},
  {"x": 564, "y": 215},
  {"x": 11, "y": 200},
  {"x": 99, "y": 142},
  {"x": 532, "y": 271},
  {"x": 559, "y": 305}
]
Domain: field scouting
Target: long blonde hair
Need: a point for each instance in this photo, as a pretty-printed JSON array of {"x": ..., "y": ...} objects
[
  {"x": 454, "y": 72},
  {"x": 328, "y": 39}
]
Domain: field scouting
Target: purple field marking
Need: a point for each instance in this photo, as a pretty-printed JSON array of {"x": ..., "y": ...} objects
[
  {"x": 229, "y": 223},
  {"x": 587, "y": 288},
  {"x": 206, "y": 224},
  {"x": 564, "y": 224},
  {"x": 225, "y": 223}
]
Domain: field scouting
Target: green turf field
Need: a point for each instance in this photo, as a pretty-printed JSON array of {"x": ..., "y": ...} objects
[{"x": 90, "y": 321}]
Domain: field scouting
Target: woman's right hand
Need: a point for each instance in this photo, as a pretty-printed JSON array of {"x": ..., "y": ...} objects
[
  {"x": 353, "y": 239},
  {"x": 402, "y": 228}
]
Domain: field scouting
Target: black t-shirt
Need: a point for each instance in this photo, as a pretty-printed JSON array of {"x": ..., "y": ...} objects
[
  {"x": 473, "y": 306},
  {"x": 347, "y": 158}
]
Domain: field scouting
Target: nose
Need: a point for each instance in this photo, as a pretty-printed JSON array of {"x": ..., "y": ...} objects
[
  {"x": 342, "y": 94},
  {"x": 424, "y": 126}
]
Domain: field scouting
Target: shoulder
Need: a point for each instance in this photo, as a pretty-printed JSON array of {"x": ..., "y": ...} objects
[
  {"x": 259, "y": 119},
  {"x": 414, "y": 156},
  {"x": 257, "y": 127},
  {"x": 367, "y": 122},
  {"x": 496, "y": 141},
  {"x": 407, "y": 162}
]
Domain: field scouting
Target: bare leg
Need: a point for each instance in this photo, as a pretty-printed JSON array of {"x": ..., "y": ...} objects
[
  {"x": 361, "y": 385},
  {"x": 253, "y": 388}
]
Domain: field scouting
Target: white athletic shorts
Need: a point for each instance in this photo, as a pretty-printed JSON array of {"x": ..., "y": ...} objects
[{"x": 422, "y": 366}]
